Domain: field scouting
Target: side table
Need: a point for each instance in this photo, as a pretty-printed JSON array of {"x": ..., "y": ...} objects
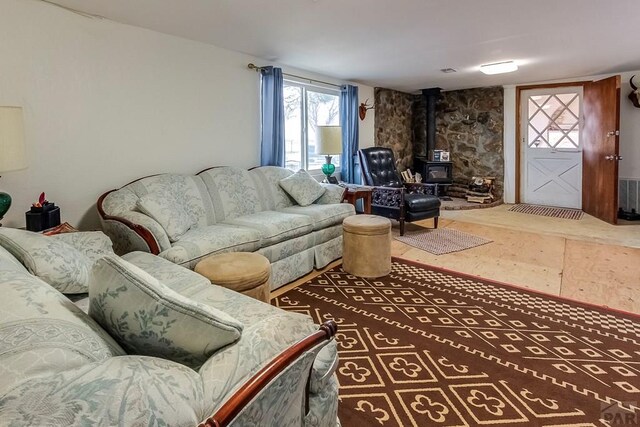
[{"x": 354, "y": 193}]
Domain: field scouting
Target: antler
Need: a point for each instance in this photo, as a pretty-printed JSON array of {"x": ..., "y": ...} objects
[{"x": 634, "y": 96}]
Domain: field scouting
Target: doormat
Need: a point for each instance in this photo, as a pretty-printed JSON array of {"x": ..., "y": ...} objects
[
  {"x": 425, "y": 346},
  {"x": 442, "y": 240},
  {"x": 564, "y": 213}
]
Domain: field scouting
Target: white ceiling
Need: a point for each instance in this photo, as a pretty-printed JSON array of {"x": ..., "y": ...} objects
[{"x": 402, "y": 44}]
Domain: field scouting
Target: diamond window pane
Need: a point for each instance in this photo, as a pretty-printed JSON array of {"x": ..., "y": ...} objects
[
  {"x": 537, "y": 140},
  {"x": 566, "y": 98},
  {"x": 574, "y": 107},
  {"x": 536, "y": 102},
  {"x": 540, "y": 122},
  {"x": 568, "y": 138},
  {"x": 571, "y": 141}
]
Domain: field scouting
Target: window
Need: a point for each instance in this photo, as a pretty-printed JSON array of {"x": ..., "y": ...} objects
[
  {"x": 554, "y": 120},
  {"x": 306, "y": 107}
]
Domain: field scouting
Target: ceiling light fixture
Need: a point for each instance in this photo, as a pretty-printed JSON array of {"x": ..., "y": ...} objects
[{"x": 499, "y": 67}]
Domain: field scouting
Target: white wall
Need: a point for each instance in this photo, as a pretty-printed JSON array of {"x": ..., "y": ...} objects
[
  {"x": 367, "y": 130},
  {"x": 107, "y": 103},
  {"x": 629, "y": 132}
]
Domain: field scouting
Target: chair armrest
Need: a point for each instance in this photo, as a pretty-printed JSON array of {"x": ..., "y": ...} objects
[
  {"x": 420, "y": 188},
  {"x": 390, "y": 197},
  {"x": 333, "y": 194}
]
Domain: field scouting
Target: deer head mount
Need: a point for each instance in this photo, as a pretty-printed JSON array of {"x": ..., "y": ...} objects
[
  {"x": 635, "y": 95},
  {"x": 362, "y": 110}
]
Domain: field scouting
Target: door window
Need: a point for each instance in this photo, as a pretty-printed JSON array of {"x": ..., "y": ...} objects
[{"x": 554, "y": 121}]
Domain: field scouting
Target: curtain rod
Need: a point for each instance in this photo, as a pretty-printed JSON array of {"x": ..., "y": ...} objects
[{"x": 253, "y": 66}]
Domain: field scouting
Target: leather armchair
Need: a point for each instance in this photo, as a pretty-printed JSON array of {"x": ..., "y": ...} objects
[{"x": 392, "y": 198}]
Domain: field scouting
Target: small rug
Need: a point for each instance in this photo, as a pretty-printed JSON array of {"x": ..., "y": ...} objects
[
  {"x": 425, "y": 346},
  {"x": 564, "y": 213},
  {"x": 442, "y": 240}
]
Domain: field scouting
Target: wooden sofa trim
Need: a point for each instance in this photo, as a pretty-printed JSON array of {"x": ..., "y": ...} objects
[
  {"x": 140, "y": 230},
  {"x": 249, "y": 390}
]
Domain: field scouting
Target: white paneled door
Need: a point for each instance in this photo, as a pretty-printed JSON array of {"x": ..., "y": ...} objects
[{"x": 551, "y": 143}]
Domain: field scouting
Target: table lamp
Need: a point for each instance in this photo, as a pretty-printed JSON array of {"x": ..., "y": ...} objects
[
  {"x": 329, "y": 142},
  {"x": 12, "y": 152}
]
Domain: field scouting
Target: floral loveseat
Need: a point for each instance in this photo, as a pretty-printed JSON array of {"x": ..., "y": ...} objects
[
  {"x": 230, "y": 209},
  {"x": 59, "y": 367}
]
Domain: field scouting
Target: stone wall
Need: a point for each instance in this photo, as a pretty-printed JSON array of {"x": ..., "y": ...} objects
[
  {"x": 394, "y": 124},
  {"x": 469, "y": 124}
]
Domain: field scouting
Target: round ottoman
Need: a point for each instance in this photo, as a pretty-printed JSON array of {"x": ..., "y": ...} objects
[
  {"x": 366, "y": 250},
  {"x": 243, "y": 272}
]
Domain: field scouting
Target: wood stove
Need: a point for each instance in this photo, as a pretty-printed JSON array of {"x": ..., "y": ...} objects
[
  {"x": 437, "y": 172},
  {"x": 432, "y": 172}
]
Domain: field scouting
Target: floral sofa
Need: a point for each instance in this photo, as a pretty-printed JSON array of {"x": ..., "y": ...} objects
[
  {"x": 230, "y": 209},
  {"x": 59, "y": 367}
]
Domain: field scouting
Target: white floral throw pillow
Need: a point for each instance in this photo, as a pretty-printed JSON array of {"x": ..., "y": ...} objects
[
  {"x": 168, "y": 212},
  {"x": 146, "y": 317},
  {"x": 302, "y": 187}
]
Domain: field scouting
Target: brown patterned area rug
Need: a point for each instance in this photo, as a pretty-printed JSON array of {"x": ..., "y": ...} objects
[
  {"x": 424, "y": 346},
  {"x": 442, "y": 240},
  {"x": 549, "y": 211}
]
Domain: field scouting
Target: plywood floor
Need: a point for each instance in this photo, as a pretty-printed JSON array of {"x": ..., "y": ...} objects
[{"x": 585, "y": 260}]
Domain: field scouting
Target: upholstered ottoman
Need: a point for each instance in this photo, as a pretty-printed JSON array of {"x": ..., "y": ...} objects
[
  {"x": 244, "y": 272},
  {"x": 366, "y": 248}
]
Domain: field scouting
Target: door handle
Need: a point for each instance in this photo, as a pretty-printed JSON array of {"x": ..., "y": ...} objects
[{"x": 610, "y": 157}]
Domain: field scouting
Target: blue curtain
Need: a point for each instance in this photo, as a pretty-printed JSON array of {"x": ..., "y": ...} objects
[
  {"x": 271, "y": 117},
  {"x": 349, "y": 123}
]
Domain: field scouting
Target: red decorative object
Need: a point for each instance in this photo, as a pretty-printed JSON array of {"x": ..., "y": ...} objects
[{"x": 362, "y": 110}]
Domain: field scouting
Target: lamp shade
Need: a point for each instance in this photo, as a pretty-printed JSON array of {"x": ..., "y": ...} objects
[
  {"x": 329, "y": 141},
  {"x": 12, "y": 151}
]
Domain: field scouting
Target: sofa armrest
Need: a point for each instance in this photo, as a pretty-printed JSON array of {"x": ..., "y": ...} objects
[
  {"x": 253, "y": 391},
  {"x": 333, "y": 194},
  {"x": 132, "y": 231}
]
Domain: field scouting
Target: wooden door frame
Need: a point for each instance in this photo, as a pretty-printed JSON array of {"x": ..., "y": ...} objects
[{"x": 519, "y": 90}]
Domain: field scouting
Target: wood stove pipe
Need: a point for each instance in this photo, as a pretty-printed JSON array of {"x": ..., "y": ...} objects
[{"x": 431, "y": 96}]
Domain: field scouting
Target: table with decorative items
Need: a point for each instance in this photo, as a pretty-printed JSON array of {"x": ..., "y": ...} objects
[{"x": 354, "y": 193}]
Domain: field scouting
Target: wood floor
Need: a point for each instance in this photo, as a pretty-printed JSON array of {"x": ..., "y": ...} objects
[{"x": 561, "y": 257}]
